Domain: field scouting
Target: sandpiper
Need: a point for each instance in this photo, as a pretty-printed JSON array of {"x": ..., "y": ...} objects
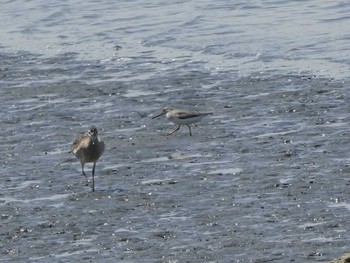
[
  {"x": 181, "y": 117},
  {"x": 88, "y": 149}
]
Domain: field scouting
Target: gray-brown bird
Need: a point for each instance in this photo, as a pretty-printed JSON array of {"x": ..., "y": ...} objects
[{"x": 88, "y": 149}]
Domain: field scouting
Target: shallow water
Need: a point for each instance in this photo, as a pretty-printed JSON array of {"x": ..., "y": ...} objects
[{"x": 264, "y": 179}]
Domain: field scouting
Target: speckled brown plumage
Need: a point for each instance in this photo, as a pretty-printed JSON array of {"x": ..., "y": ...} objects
[{"x": 88, "y": 149}]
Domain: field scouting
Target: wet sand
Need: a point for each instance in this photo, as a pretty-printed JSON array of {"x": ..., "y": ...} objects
[{"x": 264, "y": 179}]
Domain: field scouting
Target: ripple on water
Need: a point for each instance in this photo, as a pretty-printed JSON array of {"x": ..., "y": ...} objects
[
  {"x": 232, "y": 171},
  {"x": 49, "y": 200}
]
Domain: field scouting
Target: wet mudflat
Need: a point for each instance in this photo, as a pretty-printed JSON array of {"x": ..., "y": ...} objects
[{"x": 264, "y": 179}]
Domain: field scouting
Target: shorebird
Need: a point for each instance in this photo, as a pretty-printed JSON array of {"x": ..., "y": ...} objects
[
  {"x": 88, "y": 149},
  {"x": 181, "y": 117}
]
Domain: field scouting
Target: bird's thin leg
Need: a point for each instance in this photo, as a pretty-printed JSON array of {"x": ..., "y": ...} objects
[
  {"x": 189, "y": 127},
  {"x": 93, "y": 178},
  {"x": 174, "y": 130},
  {"x": 82, "y": 168}
]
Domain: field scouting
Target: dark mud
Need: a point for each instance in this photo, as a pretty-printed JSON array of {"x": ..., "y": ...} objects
[{"x": 264, "y": 179}]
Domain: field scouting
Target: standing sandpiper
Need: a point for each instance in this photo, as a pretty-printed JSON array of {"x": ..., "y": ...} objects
[
  {"x": 88, "y": 149},
  {"x": 181, "y": 117}
]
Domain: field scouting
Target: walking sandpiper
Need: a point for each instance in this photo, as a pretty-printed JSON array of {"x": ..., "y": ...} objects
[
  {"x": 88, "y": 149},
  {"x": 181, "y": 117}
]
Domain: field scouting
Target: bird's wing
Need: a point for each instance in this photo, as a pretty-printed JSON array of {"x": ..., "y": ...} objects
[
  {"x": 79, "y": 143},
  {"x": 188, "y": 115}
]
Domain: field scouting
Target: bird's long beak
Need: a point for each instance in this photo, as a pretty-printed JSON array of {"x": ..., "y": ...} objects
[{"x": 158, "y": 115}]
